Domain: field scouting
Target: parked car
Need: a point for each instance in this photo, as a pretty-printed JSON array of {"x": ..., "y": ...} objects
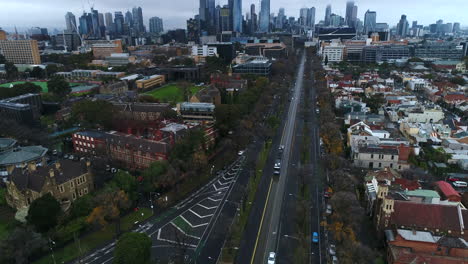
[
  {"x": 281, "y": 147},
  {"x": 272, "y": 258},
  {"x": 460, "y": 184},
  {"x": 329, "y": 209},
  {"x": 71, "y": 157},
  {"x": 334, "y": 260},
  {"x": 315, "y": 237},
  {"x": 453, "y": 179},
  {"x": 65, "y": 156},
  {"x": 332, "y": 250},
  {"x": 241, "y": 152}
]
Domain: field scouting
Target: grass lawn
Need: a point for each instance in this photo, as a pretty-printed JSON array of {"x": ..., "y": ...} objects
[
  {"x": 43, "y": 85},
  {"x": 182, "y": 224},
  {"x": 171, "y": 93},
  {"x": 7, "y": 217},
  {"x": 91, "y": 241}
]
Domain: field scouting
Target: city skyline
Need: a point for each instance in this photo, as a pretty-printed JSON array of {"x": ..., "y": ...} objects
[{"x": 50, "y": 13}]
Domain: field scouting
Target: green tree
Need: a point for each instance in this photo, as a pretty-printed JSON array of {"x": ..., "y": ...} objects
[
  {"x": 37, "y": 72},
  {"x": 458, "y": 80},
  {"x": 20, "y": 244},
  {"x": 58, "y": 86},
  {"x": 2, "y": 59},
  {"x": 51, "y": 69},
  {"x": 27, "y": 87},
  {"x": 11, "y": 70},
  {"x": 152, "y": 176},
  {"x": 133, "y": 248},
  {"x": 92, "y": 113},
  {"x": 43, "y": 213},
  {"x": 126, "y": 182},
  {"x": 326, "y": 60},
  {"x": 81, "y": 207}
]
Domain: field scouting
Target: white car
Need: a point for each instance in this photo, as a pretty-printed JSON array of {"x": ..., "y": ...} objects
[
  {"x": 271, "y": 258},
  {"x": 460, "y": 184},
  {"x": 332, "y": 250},
  {"x": 241, "y": 152}
]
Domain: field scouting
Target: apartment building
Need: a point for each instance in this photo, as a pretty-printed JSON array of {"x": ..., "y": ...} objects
[
  {"x": 20, "y": 51},
  {"x": 150, "y": 81}
]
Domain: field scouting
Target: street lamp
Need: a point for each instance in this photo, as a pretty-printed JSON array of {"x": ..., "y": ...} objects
[{"x": 51, "y": 244}]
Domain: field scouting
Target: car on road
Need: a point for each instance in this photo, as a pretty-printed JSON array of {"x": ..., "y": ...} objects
[
  {"x": 329, "y": 209},
  {"x": 332, "y": 250},
  {"x": 317, "y": 111},
  {"x": 315, "y": 237},
  {"x": 334, "y": 260},
  {"x": 281, "y": 147},
  {"x": 272, "y": 258},
  {"x": 241, "y": 152},
  {"x": 277, "y": 164},
  {"x": 460, "y": 184}
]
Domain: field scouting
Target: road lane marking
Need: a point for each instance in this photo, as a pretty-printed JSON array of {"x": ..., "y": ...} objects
[
  {"x": 261, "y": 222},
  {"x": 199, "y": 216}
]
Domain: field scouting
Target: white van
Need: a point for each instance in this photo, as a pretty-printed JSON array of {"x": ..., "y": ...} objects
[{"x": 460, "y": 184}]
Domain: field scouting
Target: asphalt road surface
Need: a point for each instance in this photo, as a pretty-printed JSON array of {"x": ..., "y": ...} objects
[{"x": 269, "y": 232}]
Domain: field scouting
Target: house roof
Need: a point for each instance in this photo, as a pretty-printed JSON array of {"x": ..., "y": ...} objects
[
  {"x": 6, "y": 143},
  {"x": 407, "y": 184},
  {"x": 423, "y": 193},
  {"x": 431, "y": 216},
  {"x": 34, "y": 180},
  {"x": 447, "y": 189},
  {"x": 421, "y": 236},
  {"x": 22, "y": 154},
  {"x": 378, "y": 150}
]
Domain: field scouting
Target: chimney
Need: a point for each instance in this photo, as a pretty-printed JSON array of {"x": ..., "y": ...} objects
[
  {"x": 57, "y": 165},
  {"x": 51, "y": 173},
  {"x": 32, "y": 166}
]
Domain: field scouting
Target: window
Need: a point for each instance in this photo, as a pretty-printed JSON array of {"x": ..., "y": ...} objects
[
  {"x": 393, "y": 157},
  {"x": 372, "y": 156},
  {"x": 391, "y": 165},
  {"x": 61, "y": 188},
  {"x": 399, "y": 167},
  {"x": 74, "y": 196},
  {"x": 380, "y": 165},
  {"x": 85, "y": 190},
  {"x": 80, "y": 192}
]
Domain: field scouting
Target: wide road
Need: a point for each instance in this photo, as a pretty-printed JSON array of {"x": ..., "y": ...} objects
[{"x": 268, "y": 234}]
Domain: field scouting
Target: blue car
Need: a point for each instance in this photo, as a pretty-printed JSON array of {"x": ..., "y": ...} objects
[{"x": 315, "y": 237}]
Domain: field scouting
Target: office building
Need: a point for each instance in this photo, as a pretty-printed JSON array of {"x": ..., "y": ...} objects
[
  {"x": 264, "y": 23},
  {"x": 128, "y": 19},
  {"x": 253, "y": 19},
  {"x": 303, "y": 16},
  {"x": 328, "y": 11},
  {"x": 351, "y": 14},
  {"x": 333, "y": 52},
  {"x": 202, "y": 11},
  {"x": 109, "y": 22},
  {"x": 370, "y": 21},
  {"x": 237, "y": 16},
  {"x": 150, "y": 81},
  {"x": 255, "y": 66},
  {"x": 156, "y": 25},
  {"x": 280, "y": 19},
  {"x": 193, "y": 30},
  {"x": 439, "y": 51},
  {"x": 118, "y": 23},
  {"x": 3, "y": 35},
  {"x": 138, "y": 25},
  {"x": 25, "y": 109},
  {"x": 70, "y": 21},
  {"x": 20, "y": 51},
  {"x": 311, "y": 17},
  {"x": 456, "y": 27},
  {"x": 105, "y": 49},
  {"x": 197, "y": 112},
  {"x": 402, "y": 27},
  {"x": 70, "y": 41}
]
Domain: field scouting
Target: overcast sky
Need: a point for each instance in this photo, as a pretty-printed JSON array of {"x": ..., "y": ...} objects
[{"x": 50, "y": 13}]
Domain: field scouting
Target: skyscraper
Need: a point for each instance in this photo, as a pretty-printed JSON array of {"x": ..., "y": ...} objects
[
  {"x": 303, "y": 16},
  {"x": 96, "y": 31},
  {"x": 264, "y": 24},
  {"x": 119, "y": 22},
  {"x": 280, "y": 19},
  {"x": 211, "y": 12},
  {"x": 237, "y": 16},
  {"x": 129, "y": 18},
  {"x": 253, "y": 19},
  {"x": 138, "y": 25},
  {"x": 109, "y": 23},
  {"x": 311, "y": 17},
  {"x": 156, "y": 25},
  {"x": 202, "y": 10},
  {"x": 351, "y": 14},
  {"x": 456, "y": 27},
  {"x": 327, "y": 15},
  {"x": 402, "y": 27},
  {"x": 370, "y": 21},
  {"x": 70, "y": 21}
]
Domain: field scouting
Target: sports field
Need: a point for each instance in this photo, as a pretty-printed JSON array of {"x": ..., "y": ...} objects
[
  {"x": 43, "y": 85},
  {"x": 172, "y": 93}
]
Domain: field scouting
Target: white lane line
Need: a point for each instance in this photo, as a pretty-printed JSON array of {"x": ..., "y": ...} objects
[
  {"x": 199, "y": 216},
  {"x": 182, "y": 231},
  {"x": 221, "y": 183},
  {"x": 192, "y": 226},
  {"x": 220, "y": 188},
  {"x": 214, "y": 200},
  {"x": 206, "y": 207}
]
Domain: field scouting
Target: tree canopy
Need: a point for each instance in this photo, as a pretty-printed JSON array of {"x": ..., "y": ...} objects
[
  {"x": 58, "y": 86},
  {"x": 133, "y": 248},
  {"x": 92, "y": 113},
  {"x": 19, "y": 89},
  {"x": 43, "y": 213},
  {"x": 126, "y": 182}
]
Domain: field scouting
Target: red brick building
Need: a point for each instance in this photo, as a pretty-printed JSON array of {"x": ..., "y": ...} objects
[{"x": 447, "y": 192}]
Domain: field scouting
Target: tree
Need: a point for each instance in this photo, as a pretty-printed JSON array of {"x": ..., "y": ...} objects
[
  {"x": 92, "y": 113},
  {"x": 81, "y": 207},
  {"x": 111, "y": 202},
  {"x": 326, "y": 60},
  {"x": 126, "y": 182},
  {"x": 58, "y": 86},
  {"x": 37, "y": 72},
  {"x": 152, "y": 176},
  {"x": 20, "y": 244},
  {"x": 11, "y": 70},
  {"x": 458, "y": 80},
  {"x": 133, "y": 248},
  {"x": 184, "y": 88},
  {"x": 43, "y": 213}
]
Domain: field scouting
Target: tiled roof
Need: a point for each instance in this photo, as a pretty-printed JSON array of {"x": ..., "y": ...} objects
[
  {"x": 6, "y": 143},
  {"x": 22, "y": 154},
  {"x": 34, "y": 180},
  {"x": 407, "y": 184},
  {"x": 447, "y": 189},
  {"x": 431, "y": 216}
]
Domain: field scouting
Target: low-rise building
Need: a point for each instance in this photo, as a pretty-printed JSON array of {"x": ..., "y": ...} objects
[
  {"x": 150, "y": 81},
  {"x": 66, "y": 180},
  {"x": 25, "y": 109},
  {"x": 20, "y": 157},
  {"x": 202, "y": 113},
  {"x": 256, "y": 67},
  {"x": 142, "y": 111},
  {"x": 333, "y": 52}
]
